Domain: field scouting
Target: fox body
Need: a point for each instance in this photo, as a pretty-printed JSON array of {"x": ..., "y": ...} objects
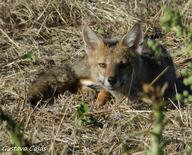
[{"x": 119, "y": 66}]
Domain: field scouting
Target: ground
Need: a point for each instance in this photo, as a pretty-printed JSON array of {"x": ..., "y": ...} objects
[{"x": 52, "y": 30}]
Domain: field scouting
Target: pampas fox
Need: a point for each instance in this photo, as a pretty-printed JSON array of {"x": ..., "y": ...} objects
[{"x": 119, "y": 66}]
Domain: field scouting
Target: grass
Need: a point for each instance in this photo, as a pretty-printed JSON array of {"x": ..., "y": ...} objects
[{"x": 52, "y": 31}]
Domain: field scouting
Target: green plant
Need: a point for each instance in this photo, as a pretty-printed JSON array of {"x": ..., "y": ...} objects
[
  {"x": 81, "y": 114},
  {"x": 154, "y": 97},
  {"x": 172, "y": 21},
  {"x": 31, "y": 55},
  {"x": 16, "y": 135}
]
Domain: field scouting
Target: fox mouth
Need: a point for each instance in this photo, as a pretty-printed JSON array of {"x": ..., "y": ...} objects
[
  {"x": 113, "y": 87},
  {"x": 107, "y": 86}
]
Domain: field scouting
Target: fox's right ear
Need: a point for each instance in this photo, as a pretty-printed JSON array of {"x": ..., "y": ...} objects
[
  {"x": 135, "y": 38},
  {"x": 91, "y": 40}
]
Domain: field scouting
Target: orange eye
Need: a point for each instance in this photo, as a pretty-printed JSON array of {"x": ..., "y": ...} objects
[{"x": 102, "y": 65}]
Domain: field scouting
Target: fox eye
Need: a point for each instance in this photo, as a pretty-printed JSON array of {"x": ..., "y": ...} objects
[
  {"x": 122, "y": 65},
  {"x": 102, "y": 65}
]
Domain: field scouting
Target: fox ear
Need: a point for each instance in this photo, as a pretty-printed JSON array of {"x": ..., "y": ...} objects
[
  {"x": 134, "y": 39},
  {"x": 91, "y": 40}
]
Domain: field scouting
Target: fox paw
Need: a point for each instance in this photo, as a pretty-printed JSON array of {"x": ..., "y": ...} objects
[
  {"x": 88, "y": 92},
  {"x": 102, "y": 97}
]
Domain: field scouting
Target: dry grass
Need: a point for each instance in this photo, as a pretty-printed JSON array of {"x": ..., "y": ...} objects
[{"x": 53, "y": 30}]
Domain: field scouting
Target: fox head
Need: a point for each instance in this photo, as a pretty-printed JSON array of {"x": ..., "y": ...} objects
[{"x": 113, "y": 66}]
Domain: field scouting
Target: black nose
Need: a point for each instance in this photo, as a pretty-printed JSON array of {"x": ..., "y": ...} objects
[{"x": 112, "y": 80}]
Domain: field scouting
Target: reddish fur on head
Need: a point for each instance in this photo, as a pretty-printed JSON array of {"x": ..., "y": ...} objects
[{"x": 111, "y": 65}]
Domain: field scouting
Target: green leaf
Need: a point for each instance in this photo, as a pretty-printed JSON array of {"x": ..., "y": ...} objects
[
  {"x": 82, "y": 110},
  {"x": 30, "y": 55}
]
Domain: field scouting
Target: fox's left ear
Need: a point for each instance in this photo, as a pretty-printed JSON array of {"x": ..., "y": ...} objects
[
  {"x": 91, "y": 40},
  {"x": 134, "y": 39}
]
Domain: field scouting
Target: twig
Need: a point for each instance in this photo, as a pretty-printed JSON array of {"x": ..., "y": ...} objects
[
  {"x": 183, "y": 61},
  {"x": 111, "y": 109},
  {"x": 29, "y": 117},
  {"x": 10, "y": 40},
  {"x": 10, "y": 62},
  {"x": 163, "y": 72}
]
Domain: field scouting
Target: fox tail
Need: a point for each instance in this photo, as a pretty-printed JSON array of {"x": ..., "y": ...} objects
[{"x": 51, "y": 83}]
